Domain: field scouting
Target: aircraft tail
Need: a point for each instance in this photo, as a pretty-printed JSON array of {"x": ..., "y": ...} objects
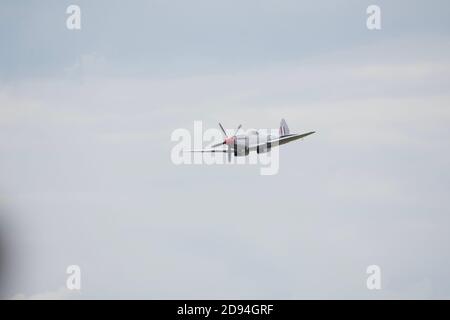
[{"x": 284, "y": 129}]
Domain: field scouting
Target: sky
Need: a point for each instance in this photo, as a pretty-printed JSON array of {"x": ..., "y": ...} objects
[{"x": 86, "y": 176}]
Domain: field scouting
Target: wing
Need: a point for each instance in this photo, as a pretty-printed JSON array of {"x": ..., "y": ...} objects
[
  {"x": 282, "y": 140},
  {"x": 209, "y": 150}
]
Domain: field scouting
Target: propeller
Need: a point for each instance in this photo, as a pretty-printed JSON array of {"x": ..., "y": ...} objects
[
  {"x": 237, "y": 130},
  {"x": 223, "y": 130},
  {"x": 227, "y": 140}
]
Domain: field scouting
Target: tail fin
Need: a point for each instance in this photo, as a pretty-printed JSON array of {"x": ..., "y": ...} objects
[{"x": 284, "y": 129}]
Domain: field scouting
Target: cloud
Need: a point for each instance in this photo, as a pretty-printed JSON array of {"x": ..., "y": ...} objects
[
  {"x": 86, "y": 167},
  {"x": 59, "y": 294},
  {"x": 87, "y": 65}
]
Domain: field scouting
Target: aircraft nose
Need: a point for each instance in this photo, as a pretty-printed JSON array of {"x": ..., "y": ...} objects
[{"x": 229, "y": 140}]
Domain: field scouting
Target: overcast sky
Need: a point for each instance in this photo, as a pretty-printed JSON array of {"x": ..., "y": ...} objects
[{"x": 86, "y": 176}]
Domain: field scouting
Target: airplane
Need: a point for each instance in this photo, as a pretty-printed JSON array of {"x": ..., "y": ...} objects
[{"x": 241, "y": 145}]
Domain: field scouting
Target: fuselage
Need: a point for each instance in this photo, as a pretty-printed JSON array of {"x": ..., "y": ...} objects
[{"x": 249, "y": 139}]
